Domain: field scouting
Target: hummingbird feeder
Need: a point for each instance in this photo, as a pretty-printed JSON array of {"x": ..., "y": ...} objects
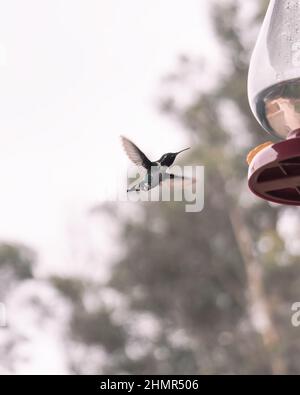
[{"x": 274, "y": 96}]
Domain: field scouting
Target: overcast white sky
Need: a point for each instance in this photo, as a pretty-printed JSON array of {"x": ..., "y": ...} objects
[{"x": 74, "y": 75}]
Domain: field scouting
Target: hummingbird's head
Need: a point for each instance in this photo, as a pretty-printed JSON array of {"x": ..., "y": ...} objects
[{"x": 169, "y": 159}]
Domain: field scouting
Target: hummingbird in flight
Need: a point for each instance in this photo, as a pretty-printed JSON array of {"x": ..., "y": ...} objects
[{"x": 153, "y": 173}]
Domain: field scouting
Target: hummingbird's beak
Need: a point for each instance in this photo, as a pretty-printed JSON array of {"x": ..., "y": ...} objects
[{"x": 183, "y": 150}]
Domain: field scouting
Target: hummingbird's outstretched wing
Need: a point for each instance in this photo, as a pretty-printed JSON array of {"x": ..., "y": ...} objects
[
  {"x": 177, "y": 181},
  {"x": 135, "y": 154}
]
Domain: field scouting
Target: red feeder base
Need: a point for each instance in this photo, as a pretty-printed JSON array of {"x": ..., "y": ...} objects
[{"x": 274, "y": 173}]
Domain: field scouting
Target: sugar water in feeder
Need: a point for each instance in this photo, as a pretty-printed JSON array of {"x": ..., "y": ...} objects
[{"x": 274, "y": 96}]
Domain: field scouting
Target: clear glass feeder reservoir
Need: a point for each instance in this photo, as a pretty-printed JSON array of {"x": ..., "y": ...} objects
[
  {"x": 274, "y": 74},
  {"x": 274, "y": 96}
]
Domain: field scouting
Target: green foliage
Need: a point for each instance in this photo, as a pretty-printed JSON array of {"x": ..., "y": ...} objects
[
  {"x": 16, "y": 266},
  {"x": 17, "y": 259},
  {"x": 96, "y": 327},
  {"x": 70, "y": 288}
]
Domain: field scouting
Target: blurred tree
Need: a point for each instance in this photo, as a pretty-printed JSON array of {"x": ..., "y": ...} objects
[
  {"x": 199, "y": 293},
  {"x": 16, "y": 266}
]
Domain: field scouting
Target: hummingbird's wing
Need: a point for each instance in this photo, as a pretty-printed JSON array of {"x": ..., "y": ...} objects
[
  {"x": 135, "y": 154},
  {"x": 177, "y": 181}
]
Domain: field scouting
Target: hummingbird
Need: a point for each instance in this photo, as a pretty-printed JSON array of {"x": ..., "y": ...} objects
[{"x": 153, "y": 173}]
